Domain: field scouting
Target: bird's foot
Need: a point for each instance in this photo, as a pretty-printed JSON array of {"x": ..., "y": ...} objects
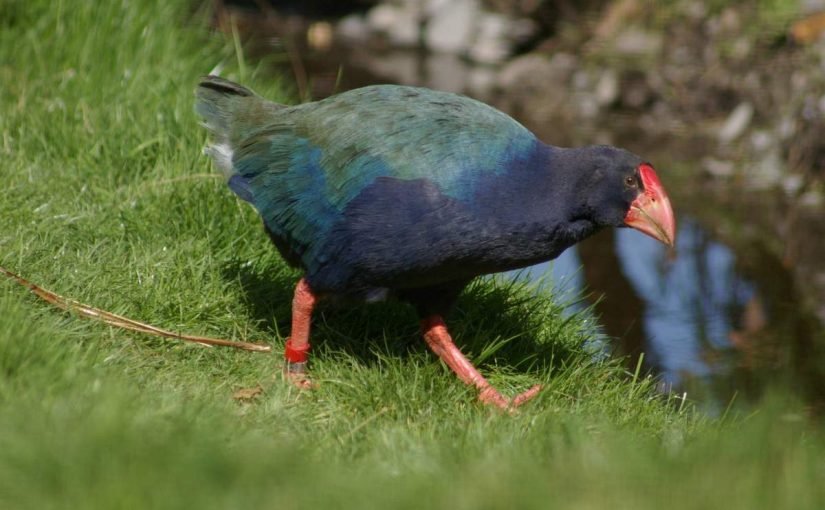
[
  {"x": 298, "y": 376},
  {"x": 491, "y": 396},
  {"x": 439, "y": 340},
  {"x": 296, "y": 354}
]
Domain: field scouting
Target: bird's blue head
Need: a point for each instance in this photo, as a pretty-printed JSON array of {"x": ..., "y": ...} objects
[{"x": 619, "y": 189}]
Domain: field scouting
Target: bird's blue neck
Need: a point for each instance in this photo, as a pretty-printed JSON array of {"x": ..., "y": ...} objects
[{"x": 530, "y": 208}]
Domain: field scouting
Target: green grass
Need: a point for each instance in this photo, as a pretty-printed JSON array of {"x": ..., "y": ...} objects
[{"x": 107, "y": 200}]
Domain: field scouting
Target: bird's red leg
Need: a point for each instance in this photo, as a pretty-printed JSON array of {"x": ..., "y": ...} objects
[
  {"x": 437, "y": 337},
  {"x": 297, "y": 345}
]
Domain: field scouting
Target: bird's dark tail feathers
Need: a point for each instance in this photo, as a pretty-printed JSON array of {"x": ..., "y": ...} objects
[
  {"x": 223, "y": 86},
  {"x": 226, "y": 108},
  {"x": 218, "y": 101}
]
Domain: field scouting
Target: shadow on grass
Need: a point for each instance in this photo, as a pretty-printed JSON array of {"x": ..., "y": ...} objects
[{"x": 500, "y": 323}]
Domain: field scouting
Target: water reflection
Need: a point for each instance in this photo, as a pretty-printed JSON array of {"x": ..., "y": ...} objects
[
  {"x": 692, "y": 315},
  {"x": 692, "y": 305}
]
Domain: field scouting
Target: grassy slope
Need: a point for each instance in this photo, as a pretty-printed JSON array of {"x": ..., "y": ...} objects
[{"x": 105, "y": 200}]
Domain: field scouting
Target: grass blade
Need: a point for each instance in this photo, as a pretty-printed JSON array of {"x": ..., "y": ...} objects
[{"x": 124, "y": 322}]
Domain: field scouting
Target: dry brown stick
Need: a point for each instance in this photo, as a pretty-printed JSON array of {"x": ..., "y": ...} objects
[{"x": 124, "y": 322}]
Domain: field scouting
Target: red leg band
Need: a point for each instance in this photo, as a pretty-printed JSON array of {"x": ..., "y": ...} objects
[{"x": 293, "y": 355}]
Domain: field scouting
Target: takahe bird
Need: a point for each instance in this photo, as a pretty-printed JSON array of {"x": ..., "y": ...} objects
[{"x": 393, "y": 191}]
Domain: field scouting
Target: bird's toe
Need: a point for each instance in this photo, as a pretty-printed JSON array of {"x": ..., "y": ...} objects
[
  {"x": 491, "y": 396},
  {"x": 526, "y": 396},
  {"x": 298, "y": 376}
]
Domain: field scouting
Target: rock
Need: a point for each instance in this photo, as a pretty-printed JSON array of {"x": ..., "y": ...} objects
[
  {"x": 742, "y": 48},
  {"x": 399, "y": 23},
  {"x": 767, "y": 171},
  {"x": 810, "y": 108},
  {"x": 481, "y": 81},
  {"x": 450, "y": 25},
  {"x": 539, "y": 87},
  {"x": 718, "y": 168},
  {"x": 730, "y": 21},
  {"x": 447, "y": 72},
  {"x": 582, "y": 81},
  {"x": 787, "y": 128},
  {"x": 491, "y": 44},
  {"x": 616, "y": 14},
  {"x": 761, "y": 140},
  {"x": 353, "y": 27},
  {"x": 696, "y": 10},
  {"x": 812, "y": 6},
  {"x": 792, "y": 183},
  {"x": 799, "y": 81},
  {"x": 383, "y": 17},
  {"x": 537, "y": 72},
  {"x": 586, "y": 105},
  {"x": 637, "y": 42},
  {"x": 607, "y": 89},
  {"x": 812, "y": 199},
  {"x": 737, "y": 123}
]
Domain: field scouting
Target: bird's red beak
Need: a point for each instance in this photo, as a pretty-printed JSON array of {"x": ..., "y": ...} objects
[{"x": 651, "y": 212}]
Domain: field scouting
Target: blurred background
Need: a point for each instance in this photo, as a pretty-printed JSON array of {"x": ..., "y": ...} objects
[{"x": 726, "y": 99}]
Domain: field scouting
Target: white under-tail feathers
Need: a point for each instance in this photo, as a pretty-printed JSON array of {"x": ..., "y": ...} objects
[
  {"x": 221, "y": 153},
  {"x": 216, "y": 108},
  {"x": 219, "y": 149},
  {"x": 227, "y": 108}
]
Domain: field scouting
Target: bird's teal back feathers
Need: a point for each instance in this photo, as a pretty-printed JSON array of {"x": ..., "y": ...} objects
[
  {"x": 301, "y": 166},
  {"x": 407, "y": 133}
]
